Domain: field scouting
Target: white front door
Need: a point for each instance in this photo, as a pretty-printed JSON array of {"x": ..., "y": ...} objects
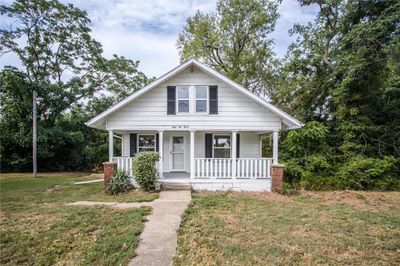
[{"x": 177, "y": 153}]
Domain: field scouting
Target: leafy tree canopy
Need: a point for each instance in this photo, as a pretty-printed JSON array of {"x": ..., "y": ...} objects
[
  {"x": 234, "y": 41},
  {"x": 343, "y": 71},
  {"x": 64, "y": 64}
]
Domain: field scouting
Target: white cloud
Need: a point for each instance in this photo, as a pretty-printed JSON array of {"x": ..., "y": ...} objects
[
  {"x": 142, "y": 30},
  {"x": 147, "y": 30},
  {"x": 157, "y": 54}
]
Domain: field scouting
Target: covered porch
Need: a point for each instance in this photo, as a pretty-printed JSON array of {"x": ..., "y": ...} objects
[{"x": 186, "y": 158}]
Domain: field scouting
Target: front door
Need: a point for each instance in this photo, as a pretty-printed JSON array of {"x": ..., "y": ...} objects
[{"x": 177, "y": 153}]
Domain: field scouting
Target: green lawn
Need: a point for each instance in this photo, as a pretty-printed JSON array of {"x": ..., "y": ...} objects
[
  {"x": 334, "y": 228},
  {"x": 37, "y": 228}
]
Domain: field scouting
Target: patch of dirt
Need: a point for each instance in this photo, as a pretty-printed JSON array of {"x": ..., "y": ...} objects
[
  {"x": 369, "y": 201},
  {"x": 48, "y": 190},
  {"x": 268, "y": 196},
  {"x": 95, "y": 233}
]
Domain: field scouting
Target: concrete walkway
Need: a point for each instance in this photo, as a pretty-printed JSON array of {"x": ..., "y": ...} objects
[{"x": 158, "y": 240}]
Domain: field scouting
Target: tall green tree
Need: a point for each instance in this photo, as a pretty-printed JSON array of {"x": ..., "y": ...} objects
[
  {"x": 307, "y": 76},
  {"x": 343, "y": 71},
  {"x": 235, "y": 41},
  {"x": 63, "y": 63}
]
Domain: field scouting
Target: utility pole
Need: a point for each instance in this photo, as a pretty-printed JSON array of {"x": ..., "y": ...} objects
[{"x": 34, "y": 139}]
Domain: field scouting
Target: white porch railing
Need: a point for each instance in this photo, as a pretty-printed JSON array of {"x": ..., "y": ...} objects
[
  {"x": 124, "y": 164},
  {"x": 213, "y": 168},
  {"x": 223, "y": 168},
  {"x": 248, "y": 168},
  {"x": 253, "y": 167}
]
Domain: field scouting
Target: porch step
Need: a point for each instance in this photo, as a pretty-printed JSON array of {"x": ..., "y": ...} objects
[{"x": 175, "y": 186}]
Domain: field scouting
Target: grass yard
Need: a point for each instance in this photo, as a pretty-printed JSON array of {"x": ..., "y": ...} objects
[
  {"x": 36, "y": 227},
  {"x": 334, "y": 228}
]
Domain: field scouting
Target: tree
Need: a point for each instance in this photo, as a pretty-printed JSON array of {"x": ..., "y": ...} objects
[
  {"x": 367, "y": 97},
  {"x": 15, "y": 119},
  {"x": 343, "y": 71},
  {"x": 64, "y": 65},
  {"x": 60, "y": 52},
  {"x": 307, "y": 76},
  {"x": 234, "y": 40},
  {"x": 58, "y": 42}
]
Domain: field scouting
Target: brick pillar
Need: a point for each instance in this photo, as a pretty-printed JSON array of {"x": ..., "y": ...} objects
[
  {"x": 109, "y": 171},
  {"x": 277, "y": 171}
]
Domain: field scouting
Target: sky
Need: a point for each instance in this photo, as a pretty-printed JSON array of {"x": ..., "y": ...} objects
[{"x": 147, "y": 30}]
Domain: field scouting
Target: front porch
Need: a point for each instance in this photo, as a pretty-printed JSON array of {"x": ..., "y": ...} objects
[
  {"x": 215, "y": 175},
  {"x": 183, "y": 158}
]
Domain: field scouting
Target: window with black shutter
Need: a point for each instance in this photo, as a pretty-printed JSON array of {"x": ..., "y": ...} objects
[
  {"x": 213, "y": 94},
  {"x": 171, "y": 97}
]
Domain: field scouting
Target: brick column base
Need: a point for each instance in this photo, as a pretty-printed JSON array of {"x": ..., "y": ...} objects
[
  {"x": 277, "y": 171},
  {"x": 109, "y": 170}
]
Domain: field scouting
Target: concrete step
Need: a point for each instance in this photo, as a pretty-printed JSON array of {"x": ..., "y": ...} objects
[{"x": 175, "y": 186}]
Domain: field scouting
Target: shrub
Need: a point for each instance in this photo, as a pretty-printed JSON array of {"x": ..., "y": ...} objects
[
  {"x": 312, "y": 172},
  {"x": 361, "y": 173},
  {"x": 310, "y": 139},
  {"x": 119, "y": 183},
  {"x": 144, "y": 169}
]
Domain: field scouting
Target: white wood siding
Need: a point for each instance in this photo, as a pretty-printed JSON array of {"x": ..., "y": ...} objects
[
  {"x": 235, "y": 111},
  {"x": 249, "y": 145}
]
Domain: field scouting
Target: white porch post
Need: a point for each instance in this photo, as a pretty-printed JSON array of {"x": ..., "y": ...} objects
[
  {"x": 192, "y": 165},
  {"x": 161, "y": 152},
  {"x": 234, "y": 148},
  {"x": 110, "y": 145},
  {"x": 275, "y": 148}
]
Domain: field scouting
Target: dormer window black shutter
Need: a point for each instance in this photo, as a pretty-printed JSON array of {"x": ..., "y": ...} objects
[
  {"x": 209, "y": 145},
  {"x": 213, "y": 99},
  {"x": 133, "y": 145},
  {"x": 171, "y": 98}
]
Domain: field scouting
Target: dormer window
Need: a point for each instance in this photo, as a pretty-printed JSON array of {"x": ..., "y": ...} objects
[
  {"x": 192, "y": 99},
  {"x": 201, "y": 99},
  {"x": 183, "y": 99}
]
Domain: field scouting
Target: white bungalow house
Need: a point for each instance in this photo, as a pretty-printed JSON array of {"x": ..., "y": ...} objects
[{"x": 206, "y": 128}]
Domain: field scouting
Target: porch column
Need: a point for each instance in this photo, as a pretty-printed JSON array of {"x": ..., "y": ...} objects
[
  {"x": 110, "y": 145},
  {"x": 234, "y": 149},
  {"x": 275, "y": 148},
  {"x": 161, "y": 152},
  {"x": 192, "y": 165}
]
